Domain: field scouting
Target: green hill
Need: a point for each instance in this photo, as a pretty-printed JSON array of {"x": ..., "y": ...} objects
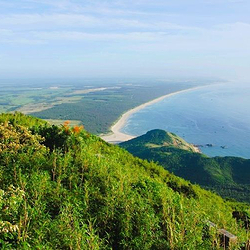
[
  {"x": 63, "y": 188},
  {"x": 159, "y": 138},
  {"x": 228, "y": 176}
]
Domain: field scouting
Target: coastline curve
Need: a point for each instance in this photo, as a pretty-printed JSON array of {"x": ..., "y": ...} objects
[{"x": 116, "y": 136}]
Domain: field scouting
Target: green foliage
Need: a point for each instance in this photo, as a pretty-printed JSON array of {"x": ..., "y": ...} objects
[
  {"x": 228, "y": 176},
  {"x": 88, "y": 194},
  {"x": 18, "y": 118},
  {"x": 11, "y": 205},
  {"x": 54, "y": 136}
]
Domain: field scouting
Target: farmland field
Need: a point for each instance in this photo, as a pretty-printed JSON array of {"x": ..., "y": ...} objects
[{"x": 95, "y": 104}]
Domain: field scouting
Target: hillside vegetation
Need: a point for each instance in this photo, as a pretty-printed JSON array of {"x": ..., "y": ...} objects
[
  {"x": 228, "y": 176},
  {"x": 63, "y": 188}
]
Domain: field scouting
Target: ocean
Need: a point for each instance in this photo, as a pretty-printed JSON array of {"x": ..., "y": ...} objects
[{"x": 216, "y": 117}]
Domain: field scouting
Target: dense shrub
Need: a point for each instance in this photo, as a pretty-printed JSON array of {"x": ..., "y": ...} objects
[{"x": 83, "y": 193}]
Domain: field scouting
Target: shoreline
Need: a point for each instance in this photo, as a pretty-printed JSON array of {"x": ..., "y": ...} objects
[{"x": 116, "y": 136}]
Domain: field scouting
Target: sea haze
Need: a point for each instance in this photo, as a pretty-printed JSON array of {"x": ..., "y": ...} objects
[{"x": 218, "y": 115}]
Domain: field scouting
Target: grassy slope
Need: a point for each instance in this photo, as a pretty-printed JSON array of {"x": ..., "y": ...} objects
[
  {"x": 229, "y": 176},
  {"x": 71, "y": 190}
]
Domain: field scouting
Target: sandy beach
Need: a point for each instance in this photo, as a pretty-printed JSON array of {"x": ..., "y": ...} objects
[{"x": 116, "y": 136}]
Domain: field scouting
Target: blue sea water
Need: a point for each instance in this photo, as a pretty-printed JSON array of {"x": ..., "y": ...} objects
[{"x": 215, "y": 114}]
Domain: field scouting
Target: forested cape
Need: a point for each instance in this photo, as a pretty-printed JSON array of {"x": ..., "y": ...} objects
[
  {"x": 228, "y": 176},
  {"x": 63, "y": 188}
]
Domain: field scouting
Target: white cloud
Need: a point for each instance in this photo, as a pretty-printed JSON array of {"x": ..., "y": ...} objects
[
  {"x": 225, "y": 1},
  {"x": 11, "y": 37},
  {"x": 164, "y": 36},
  {"x": 78, "y": 22},
  {"x": 5, "y": 32},
  {"x": 57, "y": 4},
  {"x": 111, "y": 37},
  {"x": 47, "y": 20}
]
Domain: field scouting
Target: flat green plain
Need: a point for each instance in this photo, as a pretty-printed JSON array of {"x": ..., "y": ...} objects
[{"x": 96, "y": 106}]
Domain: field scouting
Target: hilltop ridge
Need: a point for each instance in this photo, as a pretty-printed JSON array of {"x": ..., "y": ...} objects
[{"x": 157, "y": 138}]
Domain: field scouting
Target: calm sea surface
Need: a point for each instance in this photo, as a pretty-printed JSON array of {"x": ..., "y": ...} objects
[{"x": 217, "y": 115}]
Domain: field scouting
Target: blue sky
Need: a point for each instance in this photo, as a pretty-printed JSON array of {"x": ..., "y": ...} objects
[{"x": 125, "y": 38}]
